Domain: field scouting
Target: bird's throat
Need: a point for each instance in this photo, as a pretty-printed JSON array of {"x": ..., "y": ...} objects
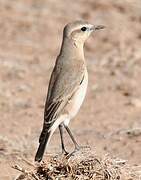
[{"x": 73, "y": 49}]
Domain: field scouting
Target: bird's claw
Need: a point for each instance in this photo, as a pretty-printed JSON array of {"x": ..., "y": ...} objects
[
  {"x": 78, "y": 148},
  {"x": 65, "y": 153}
]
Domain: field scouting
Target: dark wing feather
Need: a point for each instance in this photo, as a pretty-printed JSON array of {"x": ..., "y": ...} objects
[{"x": 49, "y": 118}]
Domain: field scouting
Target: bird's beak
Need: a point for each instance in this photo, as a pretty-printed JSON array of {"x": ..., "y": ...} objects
[{"x": 98, "y": 27}]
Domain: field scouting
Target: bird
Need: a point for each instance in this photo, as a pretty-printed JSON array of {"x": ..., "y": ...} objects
[{"x": 67, "y": 86}]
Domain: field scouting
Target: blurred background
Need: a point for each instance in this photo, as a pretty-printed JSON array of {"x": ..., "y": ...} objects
[{"x": 30, "y": 38}]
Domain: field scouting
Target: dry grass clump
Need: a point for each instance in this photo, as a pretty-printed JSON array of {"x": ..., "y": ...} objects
[{"x": 82, "y": 166}]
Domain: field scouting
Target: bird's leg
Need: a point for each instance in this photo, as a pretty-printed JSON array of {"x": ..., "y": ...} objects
[
  {"x": 62, "y": 140},
  {"x": 77, "y": 147}
]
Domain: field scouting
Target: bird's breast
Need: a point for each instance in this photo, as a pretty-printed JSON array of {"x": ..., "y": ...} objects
[{"x": 78, "y": 98}]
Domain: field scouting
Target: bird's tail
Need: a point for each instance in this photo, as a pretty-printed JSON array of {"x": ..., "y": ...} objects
[{"x": 41, "y": 148}]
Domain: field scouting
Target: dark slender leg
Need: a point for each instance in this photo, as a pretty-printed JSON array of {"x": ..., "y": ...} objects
[
  {"x": 73, "y": 140},
  {"x": 62, "y": 140},
  {"x": 77, "y": 147}
]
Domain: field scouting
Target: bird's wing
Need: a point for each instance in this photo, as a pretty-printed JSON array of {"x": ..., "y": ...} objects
[
  {"x": 51, "y": 83},
  {"x": 63, "y": 84}
]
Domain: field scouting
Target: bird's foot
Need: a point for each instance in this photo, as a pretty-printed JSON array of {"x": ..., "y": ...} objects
[
  {"x": 64, "y": 152},
  {"x": 61, "y": 154},
  {"x": 78, "y": 148},
  {"x": 72, "y": 153}
]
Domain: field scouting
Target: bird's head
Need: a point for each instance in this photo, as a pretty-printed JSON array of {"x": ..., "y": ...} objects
[{"x": 79, "y": 31}]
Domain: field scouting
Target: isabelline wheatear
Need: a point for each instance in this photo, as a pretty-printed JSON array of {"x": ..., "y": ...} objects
[{"x": 68, "y": 84}]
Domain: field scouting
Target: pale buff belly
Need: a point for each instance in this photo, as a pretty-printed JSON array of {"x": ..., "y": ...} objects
[{"x": 76, "y": 101}]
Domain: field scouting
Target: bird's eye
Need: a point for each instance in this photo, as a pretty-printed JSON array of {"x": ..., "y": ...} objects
[{"x": 83, "y": 29}]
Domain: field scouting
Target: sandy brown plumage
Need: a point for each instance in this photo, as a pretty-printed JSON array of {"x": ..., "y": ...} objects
[{"x": 68, "y": 83}]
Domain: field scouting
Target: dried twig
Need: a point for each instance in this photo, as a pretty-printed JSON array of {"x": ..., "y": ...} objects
[
  {"x": 25, "y": 172},
  {"x": 83, "y": 165}
]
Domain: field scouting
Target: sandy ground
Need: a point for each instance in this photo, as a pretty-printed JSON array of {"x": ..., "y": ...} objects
[{"x": 30, "y": 37}]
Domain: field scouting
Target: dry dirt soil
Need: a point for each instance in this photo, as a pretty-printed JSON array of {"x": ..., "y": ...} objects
[{"x": 30, "y": 38}]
